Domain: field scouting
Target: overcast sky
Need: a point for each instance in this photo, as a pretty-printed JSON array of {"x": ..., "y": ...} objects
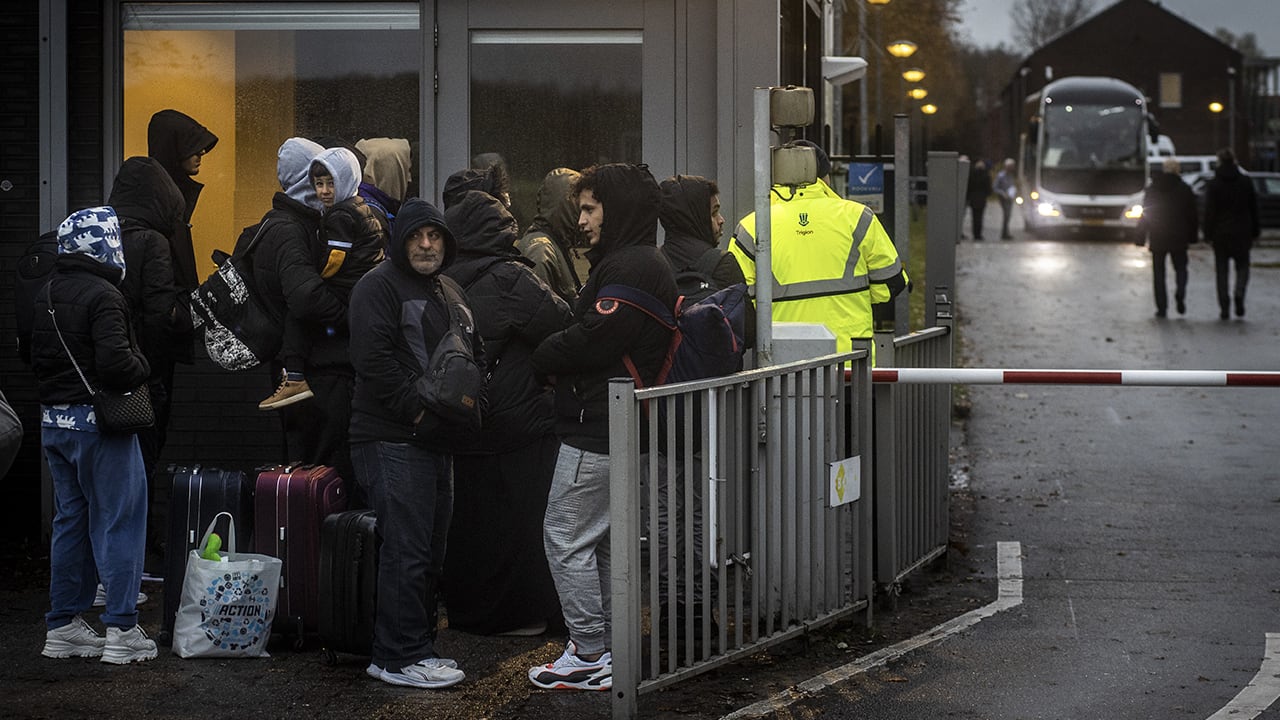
[{"x": 987, "y": 21}]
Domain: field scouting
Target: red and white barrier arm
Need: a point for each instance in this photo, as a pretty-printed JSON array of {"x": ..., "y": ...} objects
[{"x": 984, "y": 376}]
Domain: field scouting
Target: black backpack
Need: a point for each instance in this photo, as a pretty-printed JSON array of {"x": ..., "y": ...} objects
[
  {"x": 696, "y": 283},
  {"x": 30, "y": 277},
  {"x": 454, "y": 383}
]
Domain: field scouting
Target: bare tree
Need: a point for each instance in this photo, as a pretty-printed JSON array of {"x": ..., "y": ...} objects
[{"x": 1036, "y": 21}]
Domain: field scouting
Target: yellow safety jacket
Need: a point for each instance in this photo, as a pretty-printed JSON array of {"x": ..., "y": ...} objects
[{"x": 831, "y": 260}]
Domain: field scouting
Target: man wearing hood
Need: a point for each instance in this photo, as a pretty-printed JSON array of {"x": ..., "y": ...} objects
[
  {"x": 1231, "y": 224},
  {"x": 150, "y": 209},
  {"x": 551, "y": 239},
  {"x": 402, "y": 450},
  {"x": 81, "y": 325},
  {"x": 387, "y": 171},
  {"x": 179, "y": 143},
  {"x": 618, "y": 213},
  {"x": 495, "y": 574}
]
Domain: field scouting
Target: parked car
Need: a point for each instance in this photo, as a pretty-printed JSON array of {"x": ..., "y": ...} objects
[{"x": 1265, "y": 184}]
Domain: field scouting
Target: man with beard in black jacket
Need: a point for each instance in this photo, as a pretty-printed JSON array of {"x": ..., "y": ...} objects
[{"x": 618, "y": 212}]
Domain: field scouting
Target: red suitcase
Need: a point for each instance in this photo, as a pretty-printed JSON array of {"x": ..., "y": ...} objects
[{"x": 290, "y": 504}]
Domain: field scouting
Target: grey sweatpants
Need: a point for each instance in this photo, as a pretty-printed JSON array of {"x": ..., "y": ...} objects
[{"x": 575, "y": 533}]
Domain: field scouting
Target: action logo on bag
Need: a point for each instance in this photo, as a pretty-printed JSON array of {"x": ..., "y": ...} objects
[{"x": 236, "y": 611}]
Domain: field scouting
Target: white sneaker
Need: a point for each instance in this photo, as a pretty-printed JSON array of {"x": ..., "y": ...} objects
[
  {"x": 100, "y": 599},
  {"x": 375, "y": 671},
  {"x": 570, "y": 672},
  {"x": 75, "y": 639},
  {"x": 127, "y": 646},
  {"x": 430, "y": 673}
]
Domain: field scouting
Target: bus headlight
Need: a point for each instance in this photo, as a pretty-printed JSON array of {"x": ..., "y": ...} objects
[
  {"x": 1018, "y": 199},
  {"x": 1048, "y": 209},
  {"x": 1134, "y": 213}
]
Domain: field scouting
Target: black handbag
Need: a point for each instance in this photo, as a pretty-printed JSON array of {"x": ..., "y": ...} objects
[{"x": 115, "y": 411}]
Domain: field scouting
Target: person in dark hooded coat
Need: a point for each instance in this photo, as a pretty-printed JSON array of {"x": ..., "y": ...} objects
[
  {"x": 402, "y": 450},
  {"x": 1231, "y": 224},
  {"x": 150, "y": 209},
  {"x": 496, "y": 578},
  {"x": 618, "y": 212},
  {"x": 552, "y": 239},
  {"x": 1168, "y": 226}
]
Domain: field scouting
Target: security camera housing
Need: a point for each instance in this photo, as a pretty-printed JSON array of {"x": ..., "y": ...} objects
[{"x": 842, "y": 69}]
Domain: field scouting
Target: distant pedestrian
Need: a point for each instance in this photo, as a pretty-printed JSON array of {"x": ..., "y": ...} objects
[
  {"x": 977, "y": 195},
  {"x": 1168, "y": 225},
  {"x": 1231, "y": 224},
  {"x": 1006, "y": 189}
]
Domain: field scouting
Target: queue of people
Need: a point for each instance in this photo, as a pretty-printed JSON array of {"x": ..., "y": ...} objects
[{"x": 510, "y": 524}]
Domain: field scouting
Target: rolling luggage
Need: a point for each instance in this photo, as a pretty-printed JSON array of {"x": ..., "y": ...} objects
[
  {"x": 198, "y": 495},
  {"x": 290, "y": 503},
  {"x": 348, "y": 582}
]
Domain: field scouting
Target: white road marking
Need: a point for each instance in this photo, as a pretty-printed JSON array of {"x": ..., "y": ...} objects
[
  {"x": 1009, "y": 573},
  {"x": 1262, "y": 692}
]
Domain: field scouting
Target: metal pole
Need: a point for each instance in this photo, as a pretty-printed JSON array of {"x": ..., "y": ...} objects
[
  {"x": 901, "y": 209},
  {"x": 863, "y": 143},
  {"x": 1231, "y": 110},
  {"x": 944, "y": 211},
  {"x": 831, "y": 92},
  {"x": 764, "y": 258},
  {"x": 624, "y": 544}
]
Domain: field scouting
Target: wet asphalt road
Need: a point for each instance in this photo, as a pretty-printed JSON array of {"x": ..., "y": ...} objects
[{"x": 1147, "y": 517}]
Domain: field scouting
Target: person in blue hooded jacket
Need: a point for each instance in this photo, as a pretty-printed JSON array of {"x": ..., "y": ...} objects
[{"x": 99, "y": 478}]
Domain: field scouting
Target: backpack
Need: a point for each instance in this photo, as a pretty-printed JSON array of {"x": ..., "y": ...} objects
[
  {"x": 240, "y": 330},
  {"x": 707, "y": 336},
  {"x": 30, "y": 276},
  {"x": 695, "y": 283},
  {"x": 454, "y": 383}
]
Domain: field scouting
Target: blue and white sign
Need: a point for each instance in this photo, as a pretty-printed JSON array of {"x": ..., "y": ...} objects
[{"x": 866, "y": 185}]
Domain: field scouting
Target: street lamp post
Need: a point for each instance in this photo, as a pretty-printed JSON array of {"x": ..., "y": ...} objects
[
  {"x": 863, "y": 143},
  {"x": 1215, "y": 107}
]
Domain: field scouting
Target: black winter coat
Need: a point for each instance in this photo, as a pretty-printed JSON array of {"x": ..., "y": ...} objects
[
  {"x": 171, "y": 138},
  {"x": 360, "y": 232},
  {"x": 1169, "y": 214},
  {"x": 514, "y": 311},
  {"x": 285, "y": 272},
  {"x": 583, "y": 357},
  {"x": 1230, "y": 210},
  {"x": 94, "y": 319},
  {"x": 150, "y": 208}
]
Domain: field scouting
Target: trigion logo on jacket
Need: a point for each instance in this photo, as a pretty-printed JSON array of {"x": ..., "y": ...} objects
[
  {"x": 804, "y": 219},
  {"x": 236, "y": 611}
]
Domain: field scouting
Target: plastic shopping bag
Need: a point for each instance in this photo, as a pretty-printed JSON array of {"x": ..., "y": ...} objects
[{"x": 227, "y": 605}]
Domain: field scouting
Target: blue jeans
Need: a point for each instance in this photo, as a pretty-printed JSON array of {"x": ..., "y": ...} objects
[
  {"x": 100, "y": 524},
  {"x": 411, "y": 489}
]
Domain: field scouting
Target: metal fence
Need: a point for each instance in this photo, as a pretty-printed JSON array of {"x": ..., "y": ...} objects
[
  {"x": 732, "y": 522},
  {"x": 912, "y": 471}
]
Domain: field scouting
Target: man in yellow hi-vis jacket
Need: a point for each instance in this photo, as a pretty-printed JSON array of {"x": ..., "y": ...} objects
[{"x": 831, "y": 258}]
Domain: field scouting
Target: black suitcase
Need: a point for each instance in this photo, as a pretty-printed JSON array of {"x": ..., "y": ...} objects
[
  {"x": 348, "y": 582},
  {"x": 199, "y": 494}
]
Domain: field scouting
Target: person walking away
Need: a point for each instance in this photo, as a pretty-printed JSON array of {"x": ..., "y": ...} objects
[
  {"x": 149, "y": 208},
  {"x": 401, "y": 449},
  {"x": 977, "y": 195},
  {"x": 832, "y": 259},
  {"x": 99, "y": 480},
  {"x": 496, "y": 579},
  {"x": 552, "y": 241},
  {"x": 1168, "y": 226},
  {"x": 1006, "y": 189},
  {"x": 618, "y": 213},
  {"x": 1231, "y": 225}
]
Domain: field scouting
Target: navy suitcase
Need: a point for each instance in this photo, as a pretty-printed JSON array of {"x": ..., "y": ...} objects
[
  {"x": 348, "y": 582},
  {"x": 199, "y": 494}
]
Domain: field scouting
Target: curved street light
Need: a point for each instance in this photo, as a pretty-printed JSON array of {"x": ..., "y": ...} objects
[
  {"x": 913, "y": 75},
  {"x": 918, "y": 93},
  {"x": 1215, "y": 107},
  {"x": 928, "y": 108}
]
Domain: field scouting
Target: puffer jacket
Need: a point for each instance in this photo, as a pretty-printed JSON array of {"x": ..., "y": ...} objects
[
  {"x": 353, "y": 241},
  {"x": 551, "y": 239},
  {"x": 514, "y": 312},
  {"x": 92, "y": 315},
  {"x": 149, "y": 207},
  {"x": 583, "y": 357}
]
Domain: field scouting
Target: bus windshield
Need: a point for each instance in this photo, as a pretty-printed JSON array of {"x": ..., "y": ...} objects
[{"x": 1093, "y": 137}]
